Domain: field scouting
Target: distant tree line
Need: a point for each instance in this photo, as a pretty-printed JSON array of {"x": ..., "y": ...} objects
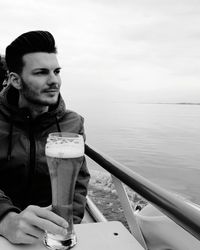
[{"x": 3, "y": 71}]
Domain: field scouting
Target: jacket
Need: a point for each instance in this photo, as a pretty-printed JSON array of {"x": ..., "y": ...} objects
[{"x": 24, "y": 175}]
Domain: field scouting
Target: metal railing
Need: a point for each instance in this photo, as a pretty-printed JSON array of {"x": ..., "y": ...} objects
[{"x": 179, "y": 211}]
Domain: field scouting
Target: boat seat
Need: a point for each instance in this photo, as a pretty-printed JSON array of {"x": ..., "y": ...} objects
[{"x": 162, "y": 233}]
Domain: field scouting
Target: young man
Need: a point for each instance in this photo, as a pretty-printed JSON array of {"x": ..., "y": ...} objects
[{"x": 30, "y": 108}]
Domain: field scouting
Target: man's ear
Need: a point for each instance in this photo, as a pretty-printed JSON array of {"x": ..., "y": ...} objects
[{"x": 15, "y": 80}]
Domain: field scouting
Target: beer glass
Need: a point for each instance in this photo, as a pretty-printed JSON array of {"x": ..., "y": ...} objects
[{"x": 64, "y": 153}]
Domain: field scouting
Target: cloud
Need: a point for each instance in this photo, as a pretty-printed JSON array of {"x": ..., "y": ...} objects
[{"x": 123, "y": 45}]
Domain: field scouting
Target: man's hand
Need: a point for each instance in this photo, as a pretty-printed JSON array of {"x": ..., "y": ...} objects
[{"x": 29, "y": 225}]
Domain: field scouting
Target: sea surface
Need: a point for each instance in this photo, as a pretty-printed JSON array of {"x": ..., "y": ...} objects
[{"x": 158, "y": 141}]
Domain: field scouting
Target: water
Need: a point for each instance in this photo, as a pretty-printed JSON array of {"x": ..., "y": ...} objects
[{"x": 159, "y": 141}]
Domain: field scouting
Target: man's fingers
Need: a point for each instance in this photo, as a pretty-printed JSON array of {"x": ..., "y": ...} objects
[
  {"x": 29, "y": 239},
  {"x": 34, "y": 231},
  {"x": 51, "y": 227},
  {"x": 29, "y": 225},
  {"x": 25, "y": 238},
  {"x": 51, "y": 216},
  {"x": 48, "y": 208},
  {"x": 46, "y": 220}
]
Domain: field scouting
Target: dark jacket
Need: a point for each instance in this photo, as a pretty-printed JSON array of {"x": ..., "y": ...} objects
[{"x": 24, "y": 176}]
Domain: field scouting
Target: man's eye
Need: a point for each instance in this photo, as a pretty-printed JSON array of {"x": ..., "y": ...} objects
[
  {"x": 57, "y": 72},
  {"x": 39, "y": 73}
]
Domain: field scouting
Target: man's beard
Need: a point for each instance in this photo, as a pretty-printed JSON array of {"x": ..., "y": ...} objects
[{"x": 31, "y": 97}]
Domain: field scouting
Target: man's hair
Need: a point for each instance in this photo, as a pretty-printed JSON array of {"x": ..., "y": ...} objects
[{"x": 30, "y": 42}]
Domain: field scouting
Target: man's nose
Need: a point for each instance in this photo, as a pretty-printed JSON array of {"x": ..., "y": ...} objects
[{"x": 53, "y": 78}]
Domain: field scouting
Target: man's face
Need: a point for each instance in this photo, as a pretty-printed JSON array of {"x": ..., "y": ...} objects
[{"x": 40, "y": 78}]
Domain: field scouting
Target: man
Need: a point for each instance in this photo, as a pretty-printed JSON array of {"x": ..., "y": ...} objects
[{"x": 30, "y": 108}]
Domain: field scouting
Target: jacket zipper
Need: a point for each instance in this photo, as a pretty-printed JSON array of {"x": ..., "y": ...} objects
[{"x": 32, "y": 163}]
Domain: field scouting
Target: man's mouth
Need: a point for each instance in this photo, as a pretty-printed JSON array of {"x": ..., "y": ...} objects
[{"x": 51, "y": 91}]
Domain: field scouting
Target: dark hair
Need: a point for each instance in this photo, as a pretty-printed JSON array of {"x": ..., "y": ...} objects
[{"x": 30, "y": 42}]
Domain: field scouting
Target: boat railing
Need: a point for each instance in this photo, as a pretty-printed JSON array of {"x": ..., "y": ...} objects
[{"x": 182, "y": 213}]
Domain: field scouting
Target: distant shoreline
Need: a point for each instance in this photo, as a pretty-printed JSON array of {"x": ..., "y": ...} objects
[
  {"x": 168, "y": 103},
  {"x": 179, "y": 103}
]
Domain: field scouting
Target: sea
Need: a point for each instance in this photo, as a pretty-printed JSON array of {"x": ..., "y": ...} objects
[{"x": 159, "y": 141}]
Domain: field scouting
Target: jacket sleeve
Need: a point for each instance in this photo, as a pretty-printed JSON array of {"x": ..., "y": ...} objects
[
  {"x": 81, "y": 188},
  {"x": 6, "y": 205}
]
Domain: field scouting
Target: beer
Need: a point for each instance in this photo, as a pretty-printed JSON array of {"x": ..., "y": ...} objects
[{"x": 64, "y": 153}]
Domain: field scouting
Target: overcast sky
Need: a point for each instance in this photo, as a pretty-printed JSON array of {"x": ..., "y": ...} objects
[{"x": 117, "y": 50}]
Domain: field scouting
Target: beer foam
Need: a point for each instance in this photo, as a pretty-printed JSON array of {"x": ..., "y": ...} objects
[
  {"x": 65, "y": 146},
  {"x": 63, "y": 151}
]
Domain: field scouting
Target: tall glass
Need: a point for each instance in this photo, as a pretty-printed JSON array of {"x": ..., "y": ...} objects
[{"x": 64, "y": 152}]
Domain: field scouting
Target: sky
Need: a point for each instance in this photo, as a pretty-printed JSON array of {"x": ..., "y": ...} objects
[{"x": 116, "y": 50}]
